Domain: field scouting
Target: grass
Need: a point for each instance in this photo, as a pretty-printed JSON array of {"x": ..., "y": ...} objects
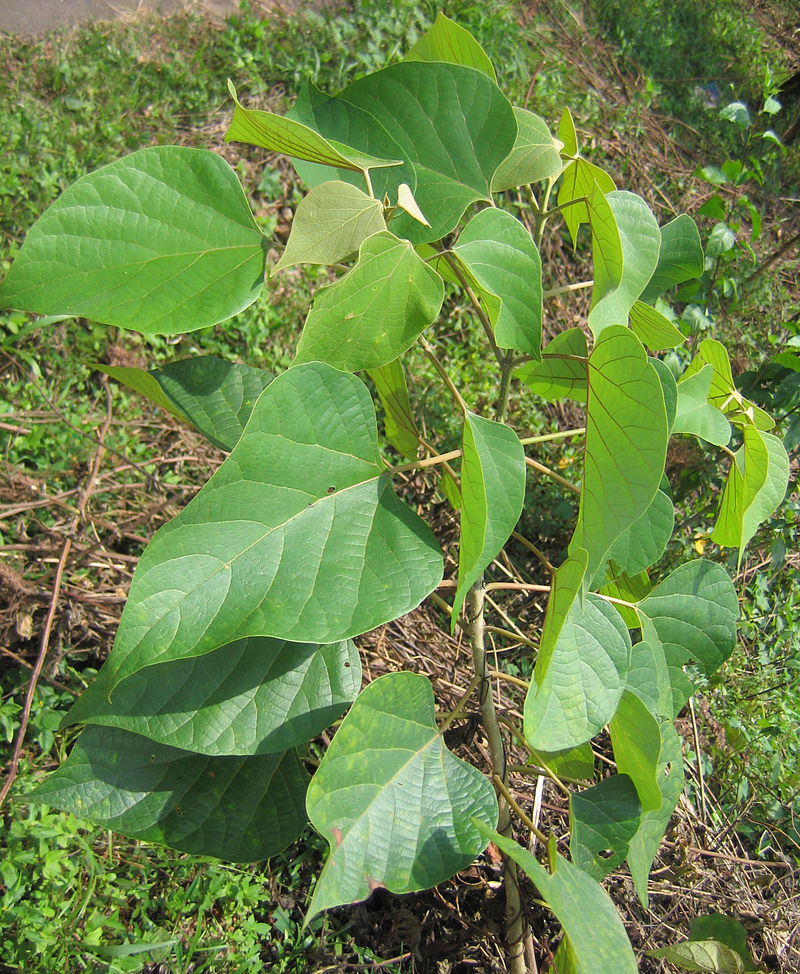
[{"x": 78, "y": 900}]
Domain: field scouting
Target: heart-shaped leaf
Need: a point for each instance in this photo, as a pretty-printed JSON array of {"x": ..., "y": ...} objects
[
  {"x": 397, "y": 808},
  {"x": 645, "y": 540},
  {"x": 704, "y": 956},
  {"x": 445, "y": 40},
  {"x": 577, "y": 185},
  {"x": 499, "y": 253},
  {"x": 376, "y": 311},
  {"x": 695, "y": 414},
  {"x": 187, "y": 801},
  {"x": 161, "y": 241},
  {"x": 603, "y": 819},
  {"x": 298, "y": 535},
  {"x": 563, "y": 369},
  {"x": 535, "y": 155},
  {"x": 254, "y": 696}
]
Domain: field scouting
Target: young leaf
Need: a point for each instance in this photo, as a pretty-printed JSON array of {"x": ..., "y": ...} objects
[
  {"x": 626, "y": 443},
  {"x": 254, "y": 696},
  {"x": 597, "y": 937},
  {"x": 161, "y": 242},
  {"x": 298, "y": 535},
  {"x": 445, "y": 40},
  {"x": 427, "y": 99},
  {"x": 401, "y": 429},
  {"x": 582, "y": 666},
  {"x": 723, "y": 393},
  {"x": 680, "y": 258},
  {"x": 563, "y": 369},
  {"x": 640, "y": 241},
  {"x": 607, "y": 257},
  {"x": 331, "y": 223},
  {"x": 652, "y": 329},
  {"x": 237, "y": 808},
  {"x": 705, "y": 956},
  {"x": 636, "y": 737},
  {"x": 376, "y": 311},
  {"x": 215, "y": 396},
  {"x": 500, "y": 254},
  {"x": 757, "y": 482},
  {"x": 695, "y": 414},
  {"x": 725, "y": 930},
  {"x": 535, "y": 155},
  {"x": 397, "y": 808},
  {"x": 567, "y": 135},
  {"x": 492, "y": 495},
  {"x": 644, "y": 845},
  {"x": 279, "y": 133},
  {"x": 603, "y": 819}
]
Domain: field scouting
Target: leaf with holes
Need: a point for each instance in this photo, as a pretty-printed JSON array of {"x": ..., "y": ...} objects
[{"x": 603, "y": 819}]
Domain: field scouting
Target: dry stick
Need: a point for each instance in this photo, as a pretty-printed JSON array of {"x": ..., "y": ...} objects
[{"x": 699, "y": 761}]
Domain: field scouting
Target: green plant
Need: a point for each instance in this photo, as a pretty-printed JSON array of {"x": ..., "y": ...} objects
[{"x": 235, "y": 648}]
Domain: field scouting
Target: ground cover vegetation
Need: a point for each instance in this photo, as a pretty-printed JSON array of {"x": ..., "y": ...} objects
[{"x": 100, "y": 916}]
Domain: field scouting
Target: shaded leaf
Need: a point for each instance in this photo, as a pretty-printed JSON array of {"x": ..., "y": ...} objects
[
  {"x": 603, "y": 819},
  {"x": 191, "y": 802},
  {"x": 254, "y": 696},
  {"x": 636, "y": 737},
  {"x": 649, "y": 676},
  {"x": 445, "y": 40},
  {"x": 256, "y": 554},
  {"x": 725, "y": 930},
  {"x": 680, "y": 257},
  {"x": 492, "y": 495},
  {"x": 695, "y": 414},
  {"x": 376, "y": 311},
  {"x": 499, "y": 253},
  {"x": 607, "y": 257},
  {"x": 161, "y": 242},
  {"x": 669, "y": 388},
  {"x": 573, "y": 762},
  {"x": 401, "y": 429},
  {"x": 535, "y": 155},
  {"x": 563, "y": 369},
  {"x": 708, "y": 956},
  {"x": 396, "y": 807},
  {"x": 331, "y": 223},
  {"x": 643, "y": 543}
]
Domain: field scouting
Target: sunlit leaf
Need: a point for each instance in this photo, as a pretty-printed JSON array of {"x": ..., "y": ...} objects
[
  {"x": 636, "y": 737},
  {"x": 652, "y": 329},
  {"x": 445, "y": 40},
  {"x": 723, "y": 393},
  {"x": 695, "y": 414},
  {"x": 563, "y": 369},
  {"x": 535, "y": 155}
]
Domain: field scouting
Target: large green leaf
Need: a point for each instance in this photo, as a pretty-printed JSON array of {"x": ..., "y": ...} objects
[
  {"x": 680, "y": 257},
  {"x": 640, "y": 240},
  {"x": 237, "y": 808},
  {"x": 602, "y": 820},
  {"x": 643, "y": 543},
  {"x": 649, "y": 676},
  {"x": 215, "y": 396},
  {"x": 298, "y": 535},
  {"x": 450, "y": 123},
  {"x": 582, "y": 666},
  {"x": 492, "y": 495},
  {"x": 401, "y": 428},
  {"x": 376, "y": 311},
  {"x": 563, "y": 369},
  {"x": 162, "y": 241},
  {"x": 331, "y": 223},
  {"x": 254, "y": 696},
  {"x": 756, "y": 485},
  {"x": 279, "y": 133},
  {"x": 636, "y": 737},
  {"x": 445, "y": 40},
  {"x": 626, "y": 443},
  {"x": 692, "y": 614},
  {"x": 535, "y": 155},
  {"x": 396, "y": 807},
  {"x": 695, "y": 414},
  {"x": 597, "y": 938},
  {"x": 644, "y": 845},
  {"x": 723, "y": 393},
  {"x": 499, "y": 253}
]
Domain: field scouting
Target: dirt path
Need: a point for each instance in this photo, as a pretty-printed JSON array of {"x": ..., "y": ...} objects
[{"x": 28, "y": 18}]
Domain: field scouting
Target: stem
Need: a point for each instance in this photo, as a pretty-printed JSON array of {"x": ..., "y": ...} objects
[
  {"x": 541, "y": 468},
  {"x": 534, "y": 551},
  {"x": 459, "y": 707},
  {"x": 455, "y": 267},
  {"x": 542, "y": 214},
  {"x": 506, "y": 369},
  {"x": 562, "y": 435},
  {"x": 522, "y": 816},
  {"x": 428, "y": 349},
  {"x": 427, "y": 462},
  {"x": 578, "y": 286}
]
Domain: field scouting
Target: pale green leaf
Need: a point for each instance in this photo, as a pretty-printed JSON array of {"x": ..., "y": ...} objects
[
  {"x": 636, "y": 737},
  {"x": 331, "y": 223},
  {"x": 567, "y": 135},
  {"x": 398, "y": 420},
  {"x": 406, "y": 201},
  {"x": 535, "y": 155},
  {"x": 582, "y": 666},
  {"x": 602, "y": 820},
  {"x": 607, "y": 257},
  {"x": 445, "y": 40},
  {"x": 563, "y": 369},
  {"x": 396, "y": 807},
  {"x": 214, "y": 395},
  {"x": 573, "y": 762},
  {"x": 723, "y": 393},
  {"x": 499, "y": 253},
  {"x": 242, "y": 809},
  {"x": 669, "y": 387},
  {"x": 640, "y": 241},
  {"x": 705, "y": 956},
  {"x": 680, "y": 257},
  {"x": 649, "y": 676},
  {"x": 625, "y": 588},
  {"x": 376, "y": 311},
  {"x": 626, "y": 443},
  {"x": 643, "y": 543},
  {"x": 254, "y": 696},
  {"x": 652, "y": 329},
  {"x": 427, "y": 99},
  {"x": 161, "y": 241},
  {"x": 297, "y": 536},
  {"x": 279, "y": 133},
  {"x": 695, "y": 414},
  {"x": 577, "y": 184},
  {"x": 597, "y": 937},
  {"x": 492, "y": 495},
  {"x": 725, "y": 930}
]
